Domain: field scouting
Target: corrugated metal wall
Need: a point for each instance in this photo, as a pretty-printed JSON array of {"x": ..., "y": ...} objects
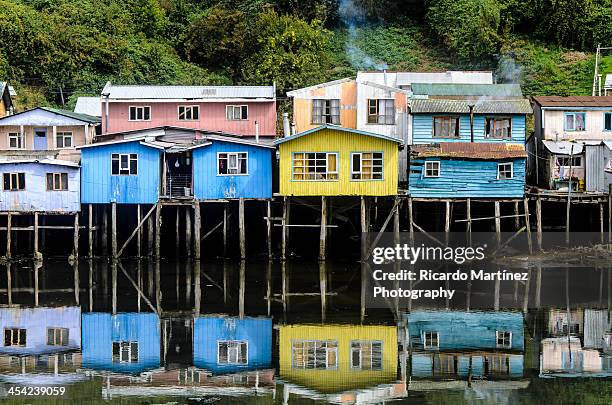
[
  {"x": 595, "y": 164},
  {"x": 596, "y": 323},
  {"x": 422, "y": 129}
]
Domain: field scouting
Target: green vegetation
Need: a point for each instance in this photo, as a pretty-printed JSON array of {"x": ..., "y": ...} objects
[{"x": 54, "y": 50}]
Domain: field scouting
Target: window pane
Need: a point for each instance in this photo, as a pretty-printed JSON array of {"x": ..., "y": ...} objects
[
  {"x": 49, "y": 181},
  {"x": 64, "y": 181},
  {"x": 608, "y": 121},
  {"x": 50, "y": 336},
  {"x": 133, "y": 165},
  {"x": 21, "y": 184},
  {"x": 115, "y": 165},
  {"x": 245, "y": 112},
  {"x": 222, "y": 348}
]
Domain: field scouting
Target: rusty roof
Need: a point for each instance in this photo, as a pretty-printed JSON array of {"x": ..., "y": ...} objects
[
  {"x": 471, "y": 150},
  {"x": 574, "y": 101}
]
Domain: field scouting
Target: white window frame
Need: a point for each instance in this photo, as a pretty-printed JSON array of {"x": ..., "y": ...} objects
[
  {"x": 237, "y": 345},
  {"x": 139, "y": 107},
  {"x": 493, "y": 123},
  {"x": 573, "y": 127},
  {"x": 233, "y": 108},
  {"x": 305, "y": 166},
  {"x": 499, "y": 165},
  {"x": 129, "y": 351},
  {"x": 238, "y": 158},
  {"x": 129, "y": 161},
  {"x": 14, "y": 176},
  {"x": 55, "y": 183},
  {"x": 328, "y": 350},
  {"x": 430, "y": 346},
  {"x": 360, "y": 350},
  {"x": 327, "y": 107},
  {"x": 57, "y": 336},
  {"x": 19, "y": 138},
  {"x": 188, "y": 110},
  {"x": 377, "y": 114},
  {"x": 499, "y": 334},
  {"x": 432, "y": 163},
  {"x": 64, "y": 135},
  {"x": 372, "y": 159},
  {"x": 19, "y": 343},
  {"x": 448, "y": 118}
]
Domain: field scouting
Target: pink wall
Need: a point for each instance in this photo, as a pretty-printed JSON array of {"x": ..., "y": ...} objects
[{"x": 212, "y": 117}]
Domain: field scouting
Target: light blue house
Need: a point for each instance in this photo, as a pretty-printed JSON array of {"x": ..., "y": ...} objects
[
  {"x": 42, "y": 185},
  {"x": 140, "y": 167},
  {"x": 464, "y": 365},
  {"x": 123, "y": 343},
  {"x": 33, "y": 331},
  {"x": 468, "y": 140},
  {"x": 224, "y": 344}
]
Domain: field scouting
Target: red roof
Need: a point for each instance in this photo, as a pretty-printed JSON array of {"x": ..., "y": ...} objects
[
  {"x": 471, "y": 150},
  {"x": 574, "y": 101}
]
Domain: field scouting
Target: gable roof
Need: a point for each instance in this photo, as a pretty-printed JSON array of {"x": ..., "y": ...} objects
[
  {"x": 467, "y": 90},
  {"x": 574, "y": 101},
  {"x": 64, "y": 113},
  {"x": 336, "y": 128},
  {"x": 426, "y": 106},
  {"x": 191, "y": 93},
  {"x": 295, "y": 92},
  {"x": 471, "y": 150}
]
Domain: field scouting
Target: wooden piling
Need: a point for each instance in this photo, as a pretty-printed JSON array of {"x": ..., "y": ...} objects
[
  {"x": 469, "y": 220},
  {"x": 601, "y": 223},
  {"x": 75, "y": 241},
  {"x": 9, "y": 224},
  {"x": 527, "y": 224},
  {"x": 139, "y": 235},
  {"x": 188, "y": 238},
  {"x": 225, "y": 229},
  {"x": 37, "y": 255},
  {"x": 89, "y": 284},
  {"x": 323, "y": 229},
  {"x": 323, "y": 288},
  {"x": 158, "y": 294},
  {"x": 177, "y": 239},
  {"x": 241, "y": 229},
  {"x": 37, "y": 266},
  {"x": 104, "y": 233},
  {"x": 197, "y": 289},
  {"x": 150, "y": 236},
  {"x": 197, "y": 225},
  {"x": 158, "y": 225},
  {"x": 114, "y": 229},
  {"x": 90, "y": 231},
  {"x": 269, "y": 233},
  {"x": 497, "y": 222},
  {"x": 447, "y": 222},
  {"x": 114, "y": 284},
  {"x": 539, "y": 235},
  {"x": 241, "y": 289},
  {"x": 410, "y": 221},
  {"x": 77, "y": 291},
  {"x": 517, "y": 216},
  {"x": 285, "y": 222},
  {"x": 9, "y": 284}
]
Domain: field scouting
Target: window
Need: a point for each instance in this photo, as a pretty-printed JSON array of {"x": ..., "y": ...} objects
[
  {"x": 497, "y": 364},
  {"x": 232, "y": 352},
  {"x": 236, "y": 112},
  {"x": 367, "y": 166},
  {"x": 57, "y": 181},
  {"x": 575, "y": 121},
  {"x": 432, "y": 169},
  {"x": 566, "y": 160},
  {"x": 16, "y": 140},
  {"x": 57, "y": 336},
  {"x": 498, "y": 127},
  {"x": 574, "y": 329},
  {"x": 503, "y": 339},
  {"x": 446, "y": 127},
  {"x": 125, "y": 352},
  {"x": 443, "y": 364},
  {"x": 431, "y": 340},
  {"x": 326, "y": 111},
  {"x": 188, "y": 112},
  {"x": 140, "y": 113},
  {"x": 63, "y": 140},
  {"x": 504, "y": 171},
  {"x": 608, "y": 121},
  {"x": 381, "y": 111},
  {"x": 13, "y": 181},
  {"x": 315, "y": 354},
  {"x": 315, "y": 166},
  {"x": 14, "y": 337},
  {"x": 366, "y": 355},
  {"x": 124, "y": 164},
  {"x": 232, "y": 163}
]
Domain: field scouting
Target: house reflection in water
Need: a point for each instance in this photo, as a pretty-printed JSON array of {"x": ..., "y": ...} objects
[
  {"x": 122, "y": 343},
  {"x": 339, "y": 363},
  {"x": 223, "y": 344},
  {"x": 466, "y": 345},
  {"x": 40, "y": 345}
]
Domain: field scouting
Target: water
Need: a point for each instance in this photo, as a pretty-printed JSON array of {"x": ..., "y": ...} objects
[{"x": 299, "y": 346}]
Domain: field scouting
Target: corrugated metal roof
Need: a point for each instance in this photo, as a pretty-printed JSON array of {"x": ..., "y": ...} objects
[
  {"x": 89, "y": 105},
  {"x": 77, "y": 116},
  {"x": 56, "y": 162},
  {"x": 608, "y": 82},
  {"x": 574, "y": 101},
  {"x": 188, "y": 92},
  {"x": 471, "y": 150},
  {"x": 563, "y": 147},
  {"x": 336, "y": 128},
  {"x": 462, "y": 89},
  {"x": 425, "y": 106}
]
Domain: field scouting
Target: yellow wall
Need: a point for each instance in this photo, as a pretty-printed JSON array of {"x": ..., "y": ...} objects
[
  {"x": 343, "y": 377},
  {"x": 342, "y": 142}
]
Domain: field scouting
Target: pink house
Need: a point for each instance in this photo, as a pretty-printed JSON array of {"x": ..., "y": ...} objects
[{"x": 240, "y": 110}]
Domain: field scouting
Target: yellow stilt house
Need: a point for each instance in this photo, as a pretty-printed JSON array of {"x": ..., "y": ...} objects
[
  {"x": 331, "y": 359},
  {"x": 330, "y": 160}
]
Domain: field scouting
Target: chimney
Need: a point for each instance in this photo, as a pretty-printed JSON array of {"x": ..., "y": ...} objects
[
  {"x": 471, "y": 106},
  {"x": 293, "y": 131},
  {"x": 256, "y": 131},
  {"x": 385, "y": 76},
  {"x": 286, "y": 127}
]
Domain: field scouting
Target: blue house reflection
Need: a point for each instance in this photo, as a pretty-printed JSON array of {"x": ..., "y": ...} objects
[
  {"x": 223, "y": 344},
  {"x": 123, "y": 343}
]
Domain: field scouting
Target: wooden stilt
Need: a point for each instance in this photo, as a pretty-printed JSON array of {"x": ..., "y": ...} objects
[
  {"x": 158, "y": 225},
  {"x": 496, "y": 294},
  {"x": 197, "y": 289},
  {"x": 285, "y": 286},
  {"x": 323, "y": 229},
  {"x": 37, "y": 255},
  {"x": 469, "y": 220},
  {"x": 601, "y": 223},
  {"x": 139, "y": 234},
  {"x": 114, "y": 285},
  {"x": 526, "y": 295},
  {"x": 9, "y": 243},
  {"x": 90, "y": 240},
  {"x": 197, "y": 224},
  {"x": 37, "y": 267},
  {"x": 269, "y": 283},
  {"x": 75, "y": 241},
  {"x": 323, "y": 288},
  {"x": 269, "y": 232},
  {"x": 285, "y": 222},
  {"x": 538, "y": 291},
  {"x": 77, "y": 291},
  {"x": 90, "y": 284},
  {"x": 114, "y": 229},
  {"x": 397, "y": 264},
  {"x": 188, "y": 238},
  {"x": 225, "y": 229},
  {"x": 241, "y": 289},
  {"x": 150, "y": 235},
  {"x": 567, "y": 215},
  {"x": 9, "y": 284},
  {"x": 158, "y": 294},
  {"x": 188, "y": 272},
  {"x": 225, "y": 281},
  {"x": 447, "y": 222},
  {"x": 104, "y": 241},
  {"x": 527, "y": 224},
  {"x": 539, "y": 235},
  {"x": 517, "y": 217},
  {"x": 150, "y": 279},
  {"x": 498, "y": 222},
  {"x": 177, "y": 239},
  {"x": 241, "y": 229},
  {"x": 410, "y": 221}
]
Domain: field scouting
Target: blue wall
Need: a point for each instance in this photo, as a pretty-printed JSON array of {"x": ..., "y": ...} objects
[
  {"x": 209, "y": 329},
  {"x": 465, "y": 330},
  {"x": 423, "y": 365},
  {"x": 100, "y": 330},
  {"x": 35, "y": 197},
  {"x": 99, "y": 187},
  {"x": 209, "y": 185},
  {"x": 466, "y": 178},
  {"x": 422, "y": 129}
]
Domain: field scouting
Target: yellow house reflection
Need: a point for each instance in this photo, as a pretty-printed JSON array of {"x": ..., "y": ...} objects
[{"x": 337, "y": 358}]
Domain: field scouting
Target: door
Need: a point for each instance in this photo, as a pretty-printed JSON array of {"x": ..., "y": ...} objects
[{"x": 40, "y": 139}]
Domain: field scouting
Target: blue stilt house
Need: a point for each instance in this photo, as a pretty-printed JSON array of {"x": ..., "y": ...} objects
[
  {"x": 142, "y": 167},
  {"x": 122, "y": 343},
  {"x": 468, "y": 141},
  {"x": 461, "y": 344},
  {"x": 224, "y": 344}
]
